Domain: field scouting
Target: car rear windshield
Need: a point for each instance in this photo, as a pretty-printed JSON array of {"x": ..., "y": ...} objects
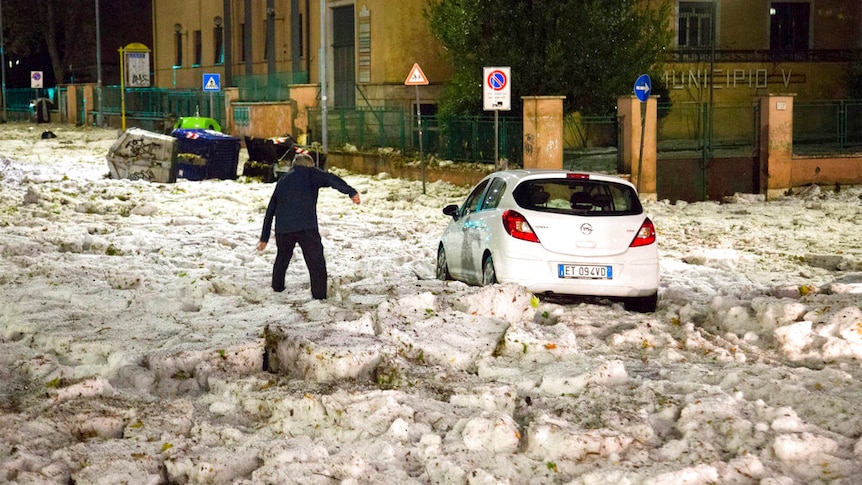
[{"x": 577, "y": 196}]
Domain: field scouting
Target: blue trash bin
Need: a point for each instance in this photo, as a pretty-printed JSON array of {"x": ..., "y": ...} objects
[{"x": 206, "y": 154}]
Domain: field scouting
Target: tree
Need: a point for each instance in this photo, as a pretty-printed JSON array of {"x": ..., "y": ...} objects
[
  {"x": 64, "y": 33},
  {"x": 590, "y": 51}
]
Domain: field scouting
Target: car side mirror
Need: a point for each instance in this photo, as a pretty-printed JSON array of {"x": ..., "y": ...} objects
[{"x": 451, "y": 210}]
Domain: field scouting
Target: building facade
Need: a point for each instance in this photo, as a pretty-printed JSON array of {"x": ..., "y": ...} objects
[
  {"x": 724, "y": 50},
  {"x": 735, "y": 49},
  {"x": 370, "y": 46}
]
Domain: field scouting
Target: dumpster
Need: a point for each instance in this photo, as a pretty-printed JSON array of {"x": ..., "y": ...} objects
[
  {"x": 264, "y": 154},
  {"x": 143, "y": 155},
  {"x": 269, "y": 158},
  {"x": 206, "y": 154}
]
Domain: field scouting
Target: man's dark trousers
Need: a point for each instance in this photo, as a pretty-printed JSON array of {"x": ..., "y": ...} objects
[{"x": 312, "y": 251}]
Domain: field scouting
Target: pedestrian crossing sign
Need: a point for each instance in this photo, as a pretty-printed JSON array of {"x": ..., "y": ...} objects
[
  {"x": 416, "y": 77},
  {"x": 211, "y": 82}
]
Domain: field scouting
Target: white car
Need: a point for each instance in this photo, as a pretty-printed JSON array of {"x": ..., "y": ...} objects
[{"x": 556, "y": 233}]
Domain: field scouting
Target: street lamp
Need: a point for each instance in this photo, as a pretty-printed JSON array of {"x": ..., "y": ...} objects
[
  {"x": 98, "y": 68},
  {"x": 322, "y": 68}
]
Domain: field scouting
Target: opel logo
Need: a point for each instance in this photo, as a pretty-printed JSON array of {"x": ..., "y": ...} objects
[{"x": 586, "y": 229}]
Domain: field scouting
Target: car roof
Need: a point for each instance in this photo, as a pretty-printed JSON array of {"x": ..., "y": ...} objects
[{"x": 518, "y": 175}]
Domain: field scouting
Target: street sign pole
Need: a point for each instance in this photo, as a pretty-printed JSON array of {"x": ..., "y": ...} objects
[
  {"x": 497, "y": 140},
  {"x": 642, "y": 89},
  {"x": 419, "y": 126},
  {"x": 211, "y": 83},
  {"x": 497, "y": 96},
  {"x": 417, "y": 78},
  {"x": 641, "y": 151},
  {"x": 122, "y": 89},
  {"x": 99, "y": 114}
]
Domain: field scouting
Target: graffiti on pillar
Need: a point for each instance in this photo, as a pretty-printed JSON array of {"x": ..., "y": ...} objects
[
  {"x": 781, "y": 136},
  {"x": 528, "y": 144}
]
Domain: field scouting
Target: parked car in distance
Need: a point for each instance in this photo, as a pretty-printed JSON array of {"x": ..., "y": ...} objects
[
  {"x": 200, "y": 122},
  {"x": 555, "y": 232}
]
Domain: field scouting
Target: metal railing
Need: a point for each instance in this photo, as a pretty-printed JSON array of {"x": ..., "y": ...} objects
[
  {"x": 765, "y": 55},
  {"x": 160, "y": 102},
  {"x": 19, "y": 101},
  {"x": 360, "y": 127},
  {"x": 827, "y": 126},
  {"x": 592, "y": 143},
  {"x": 684, "y": 127},
  {"x": 471, "y": 138},
  {"x": 468, "y": 138},
  {"x": 268, "y": 87}
]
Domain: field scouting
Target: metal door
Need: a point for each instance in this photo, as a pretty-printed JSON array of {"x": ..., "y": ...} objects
[{"x": 344, "y": 57}]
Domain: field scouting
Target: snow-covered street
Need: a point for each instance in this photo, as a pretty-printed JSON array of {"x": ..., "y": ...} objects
[{"x": 137, "y": 321}]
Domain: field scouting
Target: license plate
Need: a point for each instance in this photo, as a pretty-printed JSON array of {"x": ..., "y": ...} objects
[{"x": 589, "y": 272}]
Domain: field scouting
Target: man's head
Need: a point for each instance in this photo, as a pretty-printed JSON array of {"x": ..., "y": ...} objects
[{"x": 303, "y": 160}]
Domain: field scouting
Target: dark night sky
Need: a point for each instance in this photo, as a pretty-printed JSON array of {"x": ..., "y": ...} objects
[{"x": 121, "y": 22}]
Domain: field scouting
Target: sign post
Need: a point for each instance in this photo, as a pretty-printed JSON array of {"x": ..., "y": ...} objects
[
  {"x": 134, "y": 72},
  {"x": 643, "y": 86},
  {"x": 417, "y": 78},
  {"x": 497, "y": 95},
  {"x": 211, "y": 84}
]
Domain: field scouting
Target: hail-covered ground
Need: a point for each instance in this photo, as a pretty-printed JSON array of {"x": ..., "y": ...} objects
[{"x": 140, "y": 341}]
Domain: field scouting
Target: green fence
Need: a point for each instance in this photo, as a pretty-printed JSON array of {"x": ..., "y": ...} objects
[
  {"x": 591, "y": 143},
  {"x": 461, "y": 139},
  {"x": 268, "y": 87},
  {"x": 683, "y": 127},
  {"x": 361, "y": 127},
  {"x": 827, "y": 126},
  {"x": 19, "y": 106},
  {"x": 157, "y": 103},
  {"x": 471, "y": 138},
  {"x": 141, "y": 103}
]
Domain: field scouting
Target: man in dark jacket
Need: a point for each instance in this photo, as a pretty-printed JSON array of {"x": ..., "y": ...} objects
[{"x": 294, "y": 206}]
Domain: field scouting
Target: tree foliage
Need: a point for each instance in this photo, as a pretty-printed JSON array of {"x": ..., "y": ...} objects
[
  {"x": 64, "y": 31},
  {"x": 590, "y": 51}
]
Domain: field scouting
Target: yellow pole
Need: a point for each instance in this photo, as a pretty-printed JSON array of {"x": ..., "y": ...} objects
[{"x": 122, "y": 89}]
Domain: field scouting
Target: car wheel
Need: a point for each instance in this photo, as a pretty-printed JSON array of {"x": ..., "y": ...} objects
[
  {"x": 442, "y": 265},
  {"x": 489, "y": 276},
  {"x": 642, "y": 304}
]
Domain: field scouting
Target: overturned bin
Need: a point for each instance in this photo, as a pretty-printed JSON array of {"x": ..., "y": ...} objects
[
  {"x": 206, "y": 154},
  {"x": 143, "y": 155}
]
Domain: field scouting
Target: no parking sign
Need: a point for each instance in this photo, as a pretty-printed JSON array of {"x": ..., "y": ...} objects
[
  {"x": 497, "y": 91},
  {"x": 36, "y": 80}
]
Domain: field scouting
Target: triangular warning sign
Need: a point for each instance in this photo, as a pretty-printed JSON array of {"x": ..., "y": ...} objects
[
  {"x": 416, "y": 77},
  {"x": 211, "y": 84}
]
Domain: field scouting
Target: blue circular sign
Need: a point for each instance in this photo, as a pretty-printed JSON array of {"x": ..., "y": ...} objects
[
  {"x": 643, "y": 86},
  {"x": 497, "y": 80}
]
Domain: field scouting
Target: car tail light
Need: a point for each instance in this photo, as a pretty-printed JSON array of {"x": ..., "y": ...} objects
[
  {"x": 518, "y": 227},
  {"x": 579, "y": 176},
  {"x": 645, "y": 235}
]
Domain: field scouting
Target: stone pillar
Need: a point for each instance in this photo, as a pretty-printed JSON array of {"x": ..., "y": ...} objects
[
  {"x": 89, "y": 93},
  {"x": 231, "y": 94},
  {"x": 641, "y": 165},
  {"x": 776, "y": 144},
  {"x": 543, "y": 131},
  {"x": 73, "y": 115}
]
